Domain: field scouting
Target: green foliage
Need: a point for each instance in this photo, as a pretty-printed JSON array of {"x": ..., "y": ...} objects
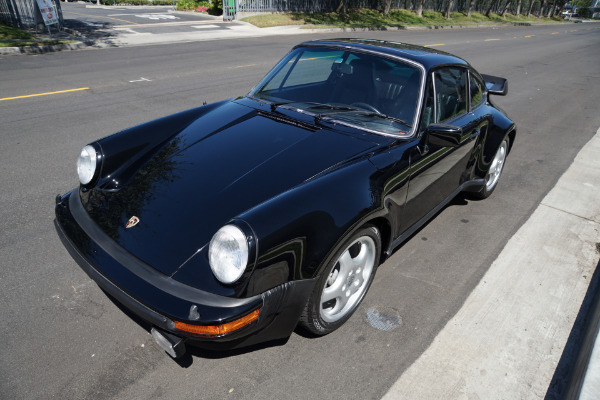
[
  {"x": 217, "y": 7},
  {"x": 8, "y": 32},
  {"x": 13, "y": 37},
  {"x": 136, "y": 2},
  {"x": 192, "y": 4},
  {"x": 373, "y": 18}
]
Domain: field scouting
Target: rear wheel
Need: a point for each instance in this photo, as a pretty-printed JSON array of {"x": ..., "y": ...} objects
[
  {"x": 493, "y": 175},
  {"x": 344, "y": 282}
]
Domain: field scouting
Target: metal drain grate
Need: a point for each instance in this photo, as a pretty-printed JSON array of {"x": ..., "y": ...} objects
[{"x": 384, "y": 318}]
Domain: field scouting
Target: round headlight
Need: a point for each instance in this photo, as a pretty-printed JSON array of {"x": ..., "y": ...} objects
[
  {"x": 228, "y": 254},
  {"x": 86, "y": 164}
]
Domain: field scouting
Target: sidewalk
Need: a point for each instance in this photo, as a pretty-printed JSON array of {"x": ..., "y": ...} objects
[{"x": 508, "y": 338}]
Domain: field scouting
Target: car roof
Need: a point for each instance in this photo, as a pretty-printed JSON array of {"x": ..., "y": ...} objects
[{"x": 427, "y": 57}]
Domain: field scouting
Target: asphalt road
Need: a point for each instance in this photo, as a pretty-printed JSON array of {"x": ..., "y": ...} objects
[
  {"x": 107, "y": 23},
  {"x": 62, "y": 337}
]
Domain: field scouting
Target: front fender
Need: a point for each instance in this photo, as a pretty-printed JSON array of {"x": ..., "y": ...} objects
[{"x": 299, "y": 229}]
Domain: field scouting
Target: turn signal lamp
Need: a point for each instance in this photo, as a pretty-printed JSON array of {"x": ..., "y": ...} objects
[{"x": 218, "y": 330}]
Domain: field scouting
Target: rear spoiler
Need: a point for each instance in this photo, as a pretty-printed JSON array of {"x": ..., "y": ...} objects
[{"x": 495, "y": 85}]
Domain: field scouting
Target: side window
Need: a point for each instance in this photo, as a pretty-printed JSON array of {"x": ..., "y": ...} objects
[
  {"x": 476, "y": 89},
  {"x": 428, "y": 110},
  {"x": 450, "y": 92}
]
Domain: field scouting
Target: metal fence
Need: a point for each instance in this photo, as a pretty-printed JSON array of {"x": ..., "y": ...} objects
[
  {"x": 258, "y": 6},
  {"x": 25, "y": 14},
  {"x": 244, "y": 8}
]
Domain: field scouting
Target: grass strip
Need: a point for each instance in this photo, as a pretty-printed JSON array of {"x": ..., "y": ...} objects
[
  {"x": 13, "y": 37},
  {"x": 374, "y": 18}
]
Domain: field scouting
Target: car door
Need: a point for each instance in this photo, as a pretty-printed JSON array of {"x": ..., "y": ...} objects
[{"x": 437, "y": 171}]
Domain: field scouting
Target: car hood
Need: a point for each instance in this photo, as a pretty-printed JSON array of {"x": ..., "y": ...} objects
[{"x": 222, "y": 164}]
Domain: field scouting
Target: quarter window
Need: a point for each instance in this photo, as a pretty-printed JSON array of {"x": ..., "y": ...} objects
[
  {"x": 476, "y": 88},
  {"x": 450, "y": 93}
]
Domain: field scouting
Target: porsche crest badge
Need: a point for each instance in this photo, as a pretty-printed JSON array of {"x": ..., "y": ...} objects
[{"x": 133, "y": 221}]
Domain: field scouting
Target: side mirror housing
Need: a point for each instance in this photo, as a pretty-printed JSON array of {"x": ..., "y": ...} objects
[
  {"x": 443, "y": 135},
  {"x": 495, "y": 85}
]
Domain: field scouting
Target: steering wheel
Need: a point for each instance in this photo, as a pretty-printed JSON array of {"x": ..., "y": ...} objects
[{"x": 366, "y": 106}]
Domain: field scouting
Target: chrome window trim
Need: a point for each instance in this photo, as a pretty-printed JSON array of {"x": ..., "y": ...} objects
[{"x": 410, "y": 134}]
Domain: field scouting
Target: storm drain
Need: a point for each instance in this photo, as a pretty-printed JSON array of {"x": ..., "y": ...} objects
[{"x": 384, "y": 318}]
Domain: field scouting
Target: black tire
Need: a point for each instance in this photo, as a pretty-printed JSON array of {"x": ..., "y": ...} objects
[
  {"x": 496, "y": 168},
  {"x": 344, "y": 282}
]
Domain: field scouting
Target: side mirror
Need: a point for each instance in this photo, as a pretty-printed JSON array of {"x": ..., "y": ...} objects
[
  {"x": 443, "y": 135},
  {"x": 495, "y": 85}
]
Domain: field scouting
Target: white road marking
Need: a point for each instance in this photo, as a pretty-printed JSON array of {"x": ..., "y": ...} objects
[
  {"x": 92, "y": 24},
  {"x": 142, "y": 79},
  {"x": 205, "y": 26},
  {"x": 147, "y": 16}
]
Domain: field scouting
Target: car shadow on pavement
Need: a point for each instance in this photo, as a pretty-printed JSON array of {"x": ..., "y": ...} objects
[
  {"x": 213, "y": 351},
  {"x": 94, "y": 34}
]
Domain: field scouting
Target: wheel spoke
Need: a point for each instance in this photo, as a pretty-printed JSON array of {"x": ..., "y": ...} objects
[
  {"x": 347, "y": 281},
  {"x": 496, "y": 166},
  {"x": 332, "y": 292},
  {"x": 346, "y": 263}
]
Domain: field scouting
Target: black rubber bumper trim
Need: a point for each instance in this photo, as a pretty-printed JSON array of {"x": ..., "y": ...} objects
[
  {"x": 129, "y": 302},
  {"x": 280, "y": 307},
  {"x": 144, "y": 271}
]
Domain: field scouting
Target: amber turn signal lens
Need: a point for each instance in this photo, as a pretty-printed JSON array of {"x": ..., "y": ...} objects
[{"x": 218, "y": 330}]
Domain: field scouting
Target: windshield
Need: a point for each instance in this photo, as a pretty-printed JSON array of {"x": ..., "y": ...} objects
[{"x": 361, "y": 90}]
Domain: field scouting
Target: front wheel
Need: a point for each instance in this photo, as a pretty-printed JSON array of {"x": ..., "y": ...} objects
[
  {"x": 344, "y": 283},
  {"x": 493, "y": 175}
]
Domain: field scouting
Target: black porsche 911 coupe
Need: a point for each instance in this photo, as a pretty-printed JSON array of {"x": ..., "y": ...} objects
[{"x": 230, "y": 224}]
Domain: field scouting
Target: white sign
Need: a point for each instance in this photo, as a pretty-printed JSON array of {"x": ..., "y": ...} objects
[{"x": 48, "y": 12}]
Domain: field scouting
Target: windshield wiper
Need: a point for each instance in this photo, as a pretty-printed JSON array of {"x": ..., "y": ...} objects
[
  {"x": 384, "y": 116},
  {"x": 330, "y": 107},
  {"x": 278, "y": 104}
]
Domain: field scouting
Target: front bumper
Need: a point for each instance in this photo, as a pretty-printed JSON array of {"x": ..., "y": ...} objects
[{"x": 162, "y": 301}]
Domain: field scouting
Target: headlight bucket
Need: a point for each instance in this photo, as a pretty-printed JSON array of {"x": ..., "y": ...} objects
[
  {"x": 88, "y": 164},
  {"x": 231, "y": 250}
]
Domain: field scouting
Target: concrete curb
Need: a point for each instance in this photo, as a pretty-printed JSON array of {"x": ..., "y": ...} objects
[
  {"x": 41, "y": 49},
  {"x": 506, "y": 340}
]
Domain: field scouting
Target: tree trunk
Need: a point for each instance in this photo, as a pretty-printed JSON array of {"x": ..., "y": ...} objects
[
  {"x": 542, "y": 6},
  {"x": 551, "y": 10},
  {"x": 531, "y": 3},
  {"x": 505, "y": 8},
  {"x": 450, "y": 4},
  {"x": 342, "y": 7},
  {"x": 387, "y": 5},
  {"x": 420, "y": 8},
  {"x": 519, "y": 3},
  {"x": 489, "y": 10},
  {"x": 471, "y": 6}
]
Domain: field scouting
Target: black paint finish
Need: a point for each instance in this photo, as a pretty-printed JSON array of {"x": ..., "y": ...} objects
[{"x": 300, "y": 184}]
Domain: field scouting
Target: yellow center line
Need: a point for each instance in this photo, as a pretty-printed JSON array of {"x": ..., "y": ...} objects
[
  {"x": 244, "y": 66},
  {"x": 44, "y": 94},
  {"x": 554, "y": 33},
  {"x": 530, "y": 36},
  {"x": 437, "y": 44},
  {"x": 489, "y": 40}
]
